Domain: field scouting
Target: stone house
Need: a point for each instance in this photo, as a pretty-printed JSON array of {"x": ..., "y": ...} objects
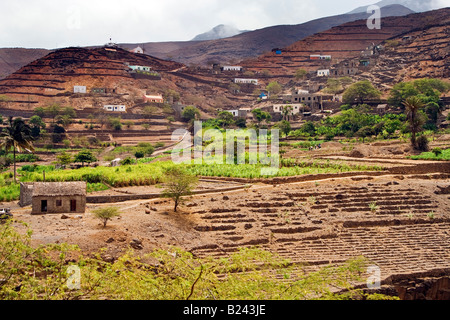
[{"x": 58, "y": 197}]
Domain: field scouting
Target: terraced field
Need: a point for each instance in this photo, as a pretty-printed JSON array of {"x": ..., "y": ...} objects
[{"x": 402, "y": 226}]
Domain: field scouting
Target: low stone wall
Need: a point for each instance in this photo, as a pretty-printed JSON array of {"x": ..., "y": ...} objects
[{"x": 149, "y": 196}]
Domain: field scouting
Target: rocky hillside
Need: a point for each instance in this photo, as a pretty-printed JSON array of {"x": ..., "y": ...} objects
[
  {"x": 342, "y": 42},
  {"x": 257, "y": 42},
  {"x": 12, "y": 59},
  {"x": 421, "y": 53},
  {"x": 54, "y": 76}
]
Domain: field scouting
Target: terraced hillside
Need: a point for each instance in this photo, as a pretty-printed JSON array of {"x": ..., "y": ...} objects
[
  {"x": 400, "y": 223},
  {"x": 55, "y": 75},
  {"x": 341, "y": 42},
  {"x": 423, "y": 53}
]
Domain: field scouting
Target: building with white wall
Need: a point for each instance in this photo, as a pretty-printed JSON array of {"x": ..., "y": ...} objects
[
  {"x": 79, "y": 89},
  {"x": 115, "y": 108},
  {"x": 232, "y": 68},
  {"x": 323, "y": 73},
  {"x": 246, "y": 81}
]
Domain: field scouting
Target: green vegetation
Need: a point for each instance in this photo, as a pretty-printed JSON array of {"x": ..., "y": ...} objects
[
  {"x": 141, "y": 173},
  {"x": 349, "y": 122},
  {"x": 50, "y": 272},
  {"x": 274, "y": 88},
  {"x": 359, "y": 92},
  {"x": 190, "y": 113},
  {"x": 84, "y": 156},
  {"x": 16, "y": 136},
  {"x": 443, "y": 155}
]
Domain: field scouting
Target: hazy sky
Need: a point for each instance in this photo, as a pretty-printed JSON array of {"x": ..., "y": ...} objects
[{"x": 56, "y": 24}]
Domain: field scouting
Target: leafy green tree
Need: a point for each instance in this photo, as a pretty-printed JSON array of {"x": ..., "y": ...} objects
[
  {"x": 364, "y": 132},
  {"x": 300, "y": 74},
  {"x": 190, "y": 113},
  {"x": 37, "y": 124},
  {"x": 64, "y": 158},
  {"x": 69, "y": 111},
  {"x": 106, "y": 214},
  {"x": 178, "y": 184},
  {"x": 39, "y": 111},
  {"x": 225, "y": 118},
  {"x": 309, "y": 128},
  {"x": 241, "y": 122},
  {"x": 115, "y": 123},
  {"x": 37, "y": 121},
  {"x": 285, "y": 127},
  {"x": 359, "y": 92},
  {"x": 63, "y": 120},
  {"x": 333, "y": 86},
  {"x": 52, "y": 111},
  {"x": 274, "y": 88},
  {"x": 261, "y": 115},
  {"x": 392, "y": 125},
  {"x": 429, "y": 90},
  {"x": 17, "y": 136},
  {"x": 85, "y": 156}
]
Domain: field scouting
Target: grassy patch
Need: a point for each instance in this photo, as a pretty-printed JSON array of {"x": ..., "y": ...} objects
[{"x": 445, "y": 156}]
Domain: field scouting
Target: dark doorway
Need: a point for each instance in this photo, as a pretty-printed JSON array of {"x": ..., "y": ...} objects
[
  {"x": 44, "y": 207},
  {"x": 73, "y": 205}
]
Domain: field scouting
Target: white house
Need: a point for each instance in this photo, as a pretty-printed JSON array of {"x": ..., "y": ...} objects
[
  {"x": 232, "y": 68},
  {"x": 323, "y": 73},
  {"x": 137, "y": 50},
  {"x": 153, "y": 98},
  {"x": 235, "y": 113},
  {"x": 246, "y": 81},
  {"x": 115, "y": 108},
  {"x": 79, "y": 89},
  {"x": 140, "y": 68},
  {"x": 319, "y": 57},
  {"x": 296, "y": 108}
]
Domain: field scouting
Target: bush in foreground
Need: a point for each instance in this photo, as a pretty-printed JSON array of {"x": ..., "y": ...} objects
[{"x": 62, "y": 272}]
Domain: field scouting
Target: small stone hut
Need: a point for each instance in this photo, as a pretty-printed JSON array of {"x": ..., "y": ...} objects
[{"x": 59, "y": 197}]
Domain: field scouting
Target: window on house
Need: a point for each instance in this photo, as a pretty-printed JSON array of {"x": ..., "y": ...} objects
[{"x": 59, "y": 203}]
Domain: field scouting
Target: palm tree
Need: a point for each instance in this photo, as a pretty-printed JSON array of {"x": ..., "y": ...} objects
[
  {"x": 416, "y": 120},
  {"x": 17, "y": 135}
]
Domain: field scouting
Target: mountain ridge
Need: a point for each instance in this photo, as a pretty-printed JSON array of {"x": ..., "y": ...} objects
[
  {"x": 226, "y": 50},
  {"x": 219, "y": 32}
]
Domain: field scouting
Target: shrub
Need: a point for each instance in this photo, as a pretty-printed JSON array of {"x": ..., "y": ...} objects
[
  {"x": 127, "y": 161},
  {"x": 422, "y": 143},
  {"x": 178, "y": 183},
  {"x": 106, "y": 214},
  {"x": 139, "y": 154},
  {"x": 437, "y": 151}
]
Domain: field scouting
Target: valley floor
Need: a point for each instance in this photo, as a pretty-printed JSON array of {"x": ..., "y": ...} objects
[{"x": 400, "y": 222}]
